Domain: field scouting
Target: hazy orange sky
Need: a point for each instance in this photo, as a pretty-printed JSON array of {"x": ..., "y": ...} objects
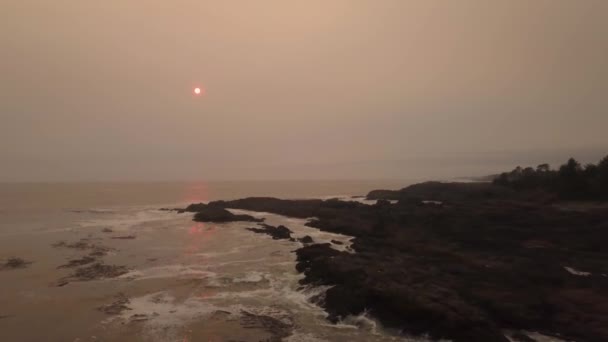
[{"x": 297, "y": 89}]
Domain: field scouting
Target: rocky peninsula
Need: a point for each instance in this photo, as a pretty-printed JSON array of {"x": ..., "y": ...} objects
[{"x": 459, "y": 261}]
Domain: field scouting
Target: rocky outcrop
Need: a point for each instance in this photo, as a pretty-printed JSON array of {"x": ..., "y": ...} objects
[
  {"x": 213, "y": 212},
  {"x": 387, "y": 291},
  {"x": 293, "y": 208},
  {"x": 14, "y": 263},
  {"x": 78, "y": 262},
  {"x": 277, "y": 233},
  {"x": 465, "y": 270},
  {"x": 306, "y": 240},
  {"x": 98, "y": 270},
  {"x": 217, "y": 214},
  {"x": 89, "y": 267},
  {"x": 120, "y": 304}
]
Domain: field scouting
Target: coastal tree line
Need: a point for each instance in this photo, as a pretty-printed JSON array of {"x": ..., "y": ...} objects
[{"x": 570, "y": 181}]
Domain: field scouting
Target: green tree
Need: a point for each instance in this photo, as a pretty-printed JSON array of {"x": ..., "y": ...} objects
[
  {"x": 601, "y": 179},
  {"x": 570, "y": 182},
  {"x": 543, "y": 168}
]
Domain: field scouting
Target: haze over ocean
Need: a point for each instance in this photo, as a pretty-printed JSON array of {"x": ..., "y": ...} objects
[{"x": 307, "y": 90}]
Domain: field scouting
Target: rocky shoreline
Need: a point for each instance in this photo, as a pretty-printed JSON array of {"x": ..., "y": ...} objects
[{"x": 462, "y": 261}]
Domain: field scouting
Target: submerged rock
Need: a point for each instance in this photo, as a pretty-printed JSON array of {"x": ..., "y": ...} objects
[
  {"x": 83, "y": 245},
  {"x": 124, "y": 237},
  {"x": 98, "y": 270},
  {"x": 277, "y": 233},
  {"x": 117, "y": 307},
  {"x": 78, "y": 262},
  {"x": 306, "y": 240},
  {"x": 278, "y": 329},
  {"x": 14, "y": 263}
]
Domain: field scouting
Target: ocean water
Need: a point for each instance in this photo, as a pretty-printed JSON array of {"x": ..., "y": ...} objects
[{"x": 185, "y": 281}]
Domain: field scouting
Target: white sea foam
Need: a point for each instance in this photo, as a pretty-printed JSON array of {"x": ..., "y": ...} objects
[
  {"x": 281, "y": 290},
  {"x": 536, "y": 337},
  {"x": 282, "y": 315},
  {"x": 235, "y": 262},
  {"x": 233, "y": 250},
  {"x": 163, "y": 316},
  {"x": 125, "y": 220},
  {"x": 544, "y": 338},
  {"x": 304, "y": 337},
  {"x": 163, "y": 308},
  {"x": 250, "y": 277},
  {"x": 238, "y": 284},
  {"x": 361, "y": 321},
  {"x": 576, "y": 272},
  {"x": 169, "y": 271}
]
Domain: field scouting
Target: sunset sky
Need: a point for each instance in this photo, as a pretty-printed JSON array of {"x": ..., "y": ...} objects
[{"x": 104, "y": 90}]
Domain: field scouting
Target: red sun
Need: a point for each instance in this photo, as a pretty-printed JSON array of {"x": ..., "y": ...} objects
[{"x": 198, "y": 91}]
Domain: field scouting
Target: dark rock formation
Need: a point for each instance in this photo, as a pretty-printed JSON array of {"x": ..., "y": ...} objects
[
  {"x": 98, "y": 270},
  {"x": 417, "y": 307},
  {"x": 215, "y": 214},
  {"x": 383, "y": 194},
  {"x": 277, "y": 233},
  {"x": 120, "y": 304},
  {"x": 299, "y": 208},
  {"x": 78, "y": 262},
  {"x": 93, "y": 271},
  {"x": 124, "y": 237},
  {"x": 306, "y": 240},
  {"x": 83, "y": 245},
  {"x": 484, "y": 261}
]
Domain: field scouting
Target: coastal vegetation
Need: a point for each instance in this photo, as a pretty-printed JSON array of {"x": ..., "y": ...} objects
[{"x": 571, "y": 180}]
